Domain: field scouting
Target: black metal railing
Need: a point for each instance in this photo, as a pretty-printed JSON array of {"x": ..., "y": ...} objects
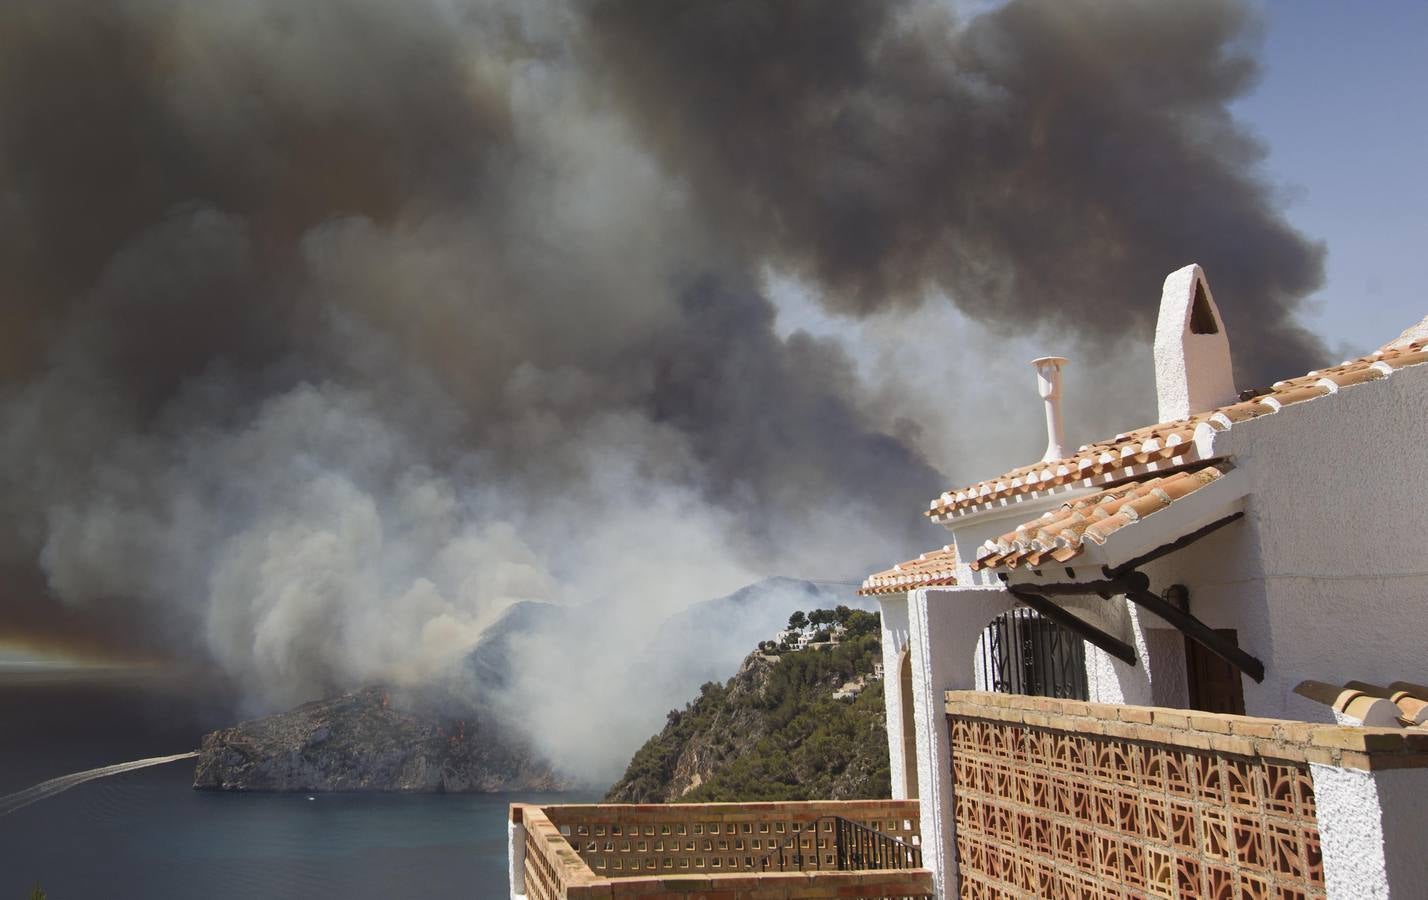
[
  {"x": 860, "y": 847},
  {"x": 1023, "y": 653},
  {"x": 855, "y": 847}
]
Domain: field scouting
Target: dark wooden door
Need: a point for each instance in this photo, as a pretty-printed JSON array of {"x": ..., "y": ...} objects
[{"x": 1215, "y": 685}]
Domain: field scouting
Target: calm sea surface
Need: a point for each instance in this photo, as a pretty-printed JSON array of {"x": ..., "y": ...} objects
[{"x": 146, "y": 834}]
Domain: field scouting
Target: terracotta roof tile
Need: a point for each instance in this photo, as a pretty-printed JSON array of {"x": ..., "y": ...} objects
[
  {"x": 1063, "y": 533},
  {"x": 1401, "y": 703},
  {"x": 935, "y": 568},
  {"x": 1154, "y": 448}
]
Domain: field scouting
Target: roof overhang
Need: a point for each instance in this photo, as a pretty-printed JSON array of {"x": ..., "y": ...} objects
[{"x": 1187, "y": 515}]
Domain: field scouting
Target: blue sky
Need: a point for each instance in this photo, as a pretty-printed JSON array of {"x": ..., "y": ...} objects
[{"x": 1342, "y": 108}]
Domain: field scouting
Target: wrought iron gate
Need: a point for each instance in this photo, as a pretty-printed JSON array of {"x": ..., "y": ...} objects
[{"x": 1023, "y": 653}]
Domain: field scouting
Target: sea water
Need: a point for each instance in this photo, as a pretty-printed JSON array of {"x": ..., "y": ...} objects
[{"x": 147, "y": 834}]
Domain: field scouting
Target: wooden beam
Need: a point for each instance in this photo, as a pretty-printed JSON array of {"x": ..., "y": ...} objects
[
  {"x": 1114, "y": 586},
  {"x": 1112, "y": 645},
  {"x": 1164, "y": 549},
  {"x": 1200, "y": 633}
]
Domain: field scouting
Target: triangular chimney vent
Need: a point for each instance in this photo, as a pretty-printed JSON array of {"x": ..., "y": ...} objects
[
  {"x": 1193, "y": 373},
  {"x": 1202, "y": 316}
]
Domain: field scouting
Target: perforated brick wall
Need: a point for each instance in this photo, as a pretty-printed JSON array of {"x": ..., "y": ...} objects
[
  {"x": 1074, "y": 811},
  {"x": 620, "y": 841},
  {"x": 551, "y": 868}
]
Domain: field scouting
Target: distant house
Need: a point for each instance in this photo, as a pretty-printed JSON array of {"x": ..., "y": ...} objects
[
  {"x": 1127, "y": 671},
  {"x": 796, "y": 638}
]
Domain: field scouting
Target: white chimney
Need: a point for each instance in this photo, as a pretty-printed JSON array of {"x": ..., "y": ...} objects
[
  {"x": 1048, "y": 385},
  {"x": 1193, "y": 373}
]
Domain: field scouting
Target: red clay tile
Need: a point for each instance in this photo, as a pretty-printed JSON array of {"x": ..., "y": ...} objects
[{"x": 1170, "y": 440}]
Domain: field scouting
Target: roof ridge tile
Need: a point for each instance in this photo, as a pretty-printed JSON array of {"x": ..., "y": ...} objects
[{"x": 1173, "y": 441}]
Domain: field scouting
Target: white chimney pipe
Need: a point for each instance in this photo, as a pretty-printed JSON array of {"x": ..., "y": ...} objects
[{"x": 1048, "y": 385}]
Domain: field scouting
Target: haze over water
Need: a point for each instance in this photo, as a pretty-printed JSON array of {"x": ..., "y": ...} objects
[{"x": 147, "y": 834}]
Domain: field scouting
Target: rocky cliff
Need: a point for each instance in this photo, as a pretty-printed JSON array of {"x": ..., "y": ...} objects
[
  {"x": 775, "y": 731},
  {"x": 370, "y": 740}
]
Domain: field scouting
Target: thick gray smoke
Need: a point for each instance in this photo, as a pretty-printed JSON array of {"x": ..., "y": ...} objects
[
  {"x": 1043, "y": 162},
  {"x": 331, "y": 330}
]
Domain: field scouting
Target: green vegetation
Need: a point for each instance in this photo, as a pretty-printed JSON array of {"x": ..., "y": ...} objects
[
  {"x": 775, "y": 731},
  {"x": 38, "y": 893}
]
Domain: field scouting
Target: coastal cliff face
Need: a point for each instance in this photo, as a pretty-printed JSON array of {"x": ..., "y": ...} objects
[
  {"x": 785, "y": 727},
  {"x": 369, "y": 740},
  {"x": 724, "y": 724}
]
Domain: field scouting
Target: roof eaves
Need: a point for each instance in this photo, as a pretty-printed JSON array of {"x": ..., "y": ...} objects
[{"x": 1175, "y": 443}]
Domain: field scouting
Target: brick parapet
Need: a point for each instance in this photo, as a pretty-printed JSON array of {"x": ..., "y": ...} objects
[
  {"x": 555, "y": 869},
  {"x": 1065, "y": 798},
  {"x": 1284, "y": 740},
  {"x": 658, "y": 813}
]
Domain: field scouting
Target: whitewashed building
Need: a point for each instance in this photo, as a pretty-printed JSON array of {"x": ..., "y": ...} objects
[{"x": 1124, "y": 673}]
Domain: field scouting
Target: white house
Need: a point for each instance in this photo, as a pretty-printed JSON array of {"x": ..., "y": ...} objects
[{"x": 1245, "y": 546}]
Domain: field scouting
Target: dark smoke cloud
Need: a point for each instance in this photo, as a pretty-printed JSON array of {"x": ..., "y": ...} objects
[
  {"x": 334, "y": 331},
  {"x": 1045, "y": 161},
  {"x": 329, "y": 332}
]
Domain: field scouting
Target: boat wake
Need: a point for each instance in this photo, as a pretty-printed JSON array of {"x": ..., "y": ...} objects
[{"x": 46, "y": 789}]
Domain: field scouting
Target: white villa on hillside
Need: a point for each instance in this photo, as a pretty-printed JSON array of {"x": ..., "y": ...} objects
[
  {"x": 1182, "y": 662},
  {"x": 1248, "y": 545}
]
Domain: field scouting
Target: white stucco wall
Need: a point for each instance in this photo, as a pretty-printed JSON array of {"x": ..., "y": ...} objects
[
  {"x": 1165, "y": 647},
  {"x": 1108, "y": 680},
  {"x": 1329, "y": 565},
  {"x": 944, "y": 627},
  {"x": 1403, "y": 800},
  {"x": 516, "y": 859},
  {"x": 1371, "y": 829},
  {"x": 893, "y": 610}
]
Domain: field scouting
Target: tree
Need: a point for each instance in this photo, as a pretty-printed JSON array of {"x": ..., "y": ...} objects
[
  {"x": 842, "y": 613},
  {"x": 818, "y": 617},
  {"x": 798, "y": 621},
  {"x": 38, "y": 893}
]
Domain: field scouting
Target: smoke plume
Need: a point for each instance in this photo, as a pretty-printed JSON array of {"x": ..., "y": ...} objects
[
  {"x": 1043, "y": 162},
  {"x": 330, "y": 331}
]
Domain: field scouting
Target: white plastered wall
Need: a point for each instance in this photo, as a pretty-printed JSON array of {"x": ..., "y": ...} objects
[
  {"x": 944, "y": 626},
  {"x": 893, "y": 610},
  {"x": 516, "y": 859},
  {"x": 1327, "y": 575},
  {"x": 1108, "y": 680},
  {"x": 1371, "y": 828},
  {"x": 1165, "y": 648}
]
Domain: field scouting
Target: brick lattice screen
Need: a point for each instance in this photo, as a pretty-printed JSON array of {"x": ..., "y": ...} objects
[
  {"x": 618, "y": 841},
  {"x": 1042, "y": 812},
  {"x": 640, "y": 849}
]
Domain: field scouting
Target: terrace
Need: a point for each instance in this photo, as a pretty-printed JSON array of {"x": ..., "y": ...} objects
[{"x": 826, "y": 849}]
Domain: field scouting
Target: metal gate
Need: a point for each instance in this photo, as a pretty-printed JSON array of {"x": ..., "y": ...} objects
[{"x": 1023, "y": 653}]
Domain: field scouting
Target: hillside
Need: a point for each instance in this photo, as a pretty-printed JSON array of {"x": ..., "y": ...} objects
[{"x": 775, "y": 731}]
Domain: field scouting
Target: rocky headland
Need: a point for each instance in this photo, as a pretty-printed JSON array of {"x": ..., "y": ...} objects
[{"x": 371, "y": 740}]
